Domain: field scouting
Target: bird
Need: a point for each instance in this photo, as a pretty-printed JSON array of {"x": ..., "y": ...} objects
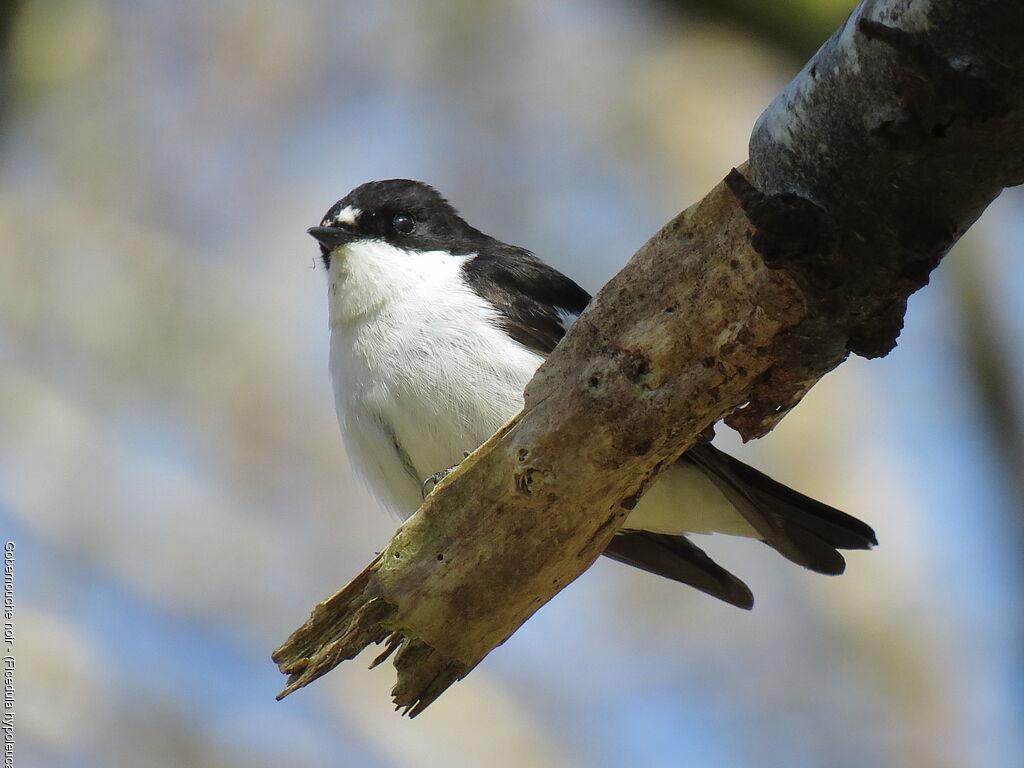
[{"x": 436, "y": 328}]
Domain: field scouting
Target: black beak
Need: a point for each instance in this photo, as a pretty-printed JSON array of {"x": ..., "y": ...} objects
[{"x": 332, "y": 237}]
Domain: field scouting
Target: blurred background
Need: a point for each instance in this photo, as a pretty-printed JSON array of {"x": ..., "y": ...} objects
[{"x": 170, "y": 465}]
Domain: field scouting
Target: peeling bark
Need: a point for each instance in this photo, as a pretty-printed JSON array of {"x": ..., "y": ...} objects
[{"x": 863, "y": 173}]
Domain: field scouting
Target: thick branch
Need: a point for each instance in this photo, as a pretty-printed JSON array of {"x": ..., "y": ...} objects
[{"x": 865, "y": 170}]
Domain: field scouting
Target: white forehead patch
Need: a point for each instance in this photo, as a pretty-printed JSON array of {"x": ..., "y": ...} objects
[{"x": 346, "y": 216}]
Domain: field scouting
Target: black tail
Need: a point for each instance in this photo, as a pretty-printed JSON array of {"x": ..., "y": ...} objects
[
  {"x": 679, "y": 559},
  {"x": 798, "y": 527}
]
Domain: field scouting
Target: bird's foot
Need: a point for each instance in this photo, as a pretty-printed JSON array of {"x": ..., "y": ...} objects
[{"x": 432, "y": 481}]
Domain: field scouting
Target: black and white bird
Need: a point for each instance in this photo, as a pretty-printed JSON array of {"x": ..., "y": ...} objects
[{"x": 436, "y": 328}]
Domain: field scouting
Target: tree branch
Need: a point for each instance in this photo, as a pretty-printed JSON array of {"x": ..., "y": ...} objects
[{"x": 863, "y": 173}]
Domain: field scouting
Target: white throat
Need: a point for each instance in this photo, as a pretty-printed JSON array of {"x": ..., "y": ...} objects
[{"x": 371, "y": 275}]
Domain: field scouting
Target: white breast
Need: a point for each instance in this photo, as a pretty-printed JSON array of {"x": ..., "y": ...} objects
[{"x": 421, "y": 371}]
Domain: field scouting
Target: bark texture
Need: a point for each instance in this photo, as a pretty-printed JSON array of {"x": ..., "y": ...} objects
[{"x": 863, "y": 173}]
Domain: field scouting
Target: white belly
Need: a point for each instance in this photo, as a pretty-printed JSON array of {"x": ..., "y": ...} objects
[
  {"x": 421, "y": 371},
  {"x": 406, "y": 419}
]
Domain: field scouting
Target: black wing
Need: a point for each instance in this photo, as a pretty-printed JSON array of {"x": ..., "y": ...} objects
[{"x": 532, "y": 298}]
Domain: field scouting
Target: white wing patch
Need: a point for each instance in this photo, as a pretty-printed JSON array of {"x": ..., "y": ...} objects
[{"x": 566, "y": 317}]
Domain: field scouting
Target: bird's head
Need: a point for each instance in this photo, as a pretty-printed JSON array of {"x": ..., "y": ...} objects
[{"x": 406, "y": 214}]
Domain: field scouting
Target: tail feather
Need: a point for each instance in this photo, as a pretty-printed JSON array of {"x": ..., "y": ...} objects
[
  {"x": 800, "y": 528},
  {"x": 679, "y": 559}
]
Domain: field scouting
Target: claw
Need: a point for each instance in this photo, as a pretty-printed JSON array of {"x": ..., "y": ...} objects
[
  {"x": 433, "y": 480},
  {"x": 437, "y": 477}
]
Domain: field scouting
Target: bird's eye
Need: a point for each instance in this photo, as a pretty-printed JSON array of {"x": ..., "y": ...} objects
[{"x": 403, "y": 223}]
